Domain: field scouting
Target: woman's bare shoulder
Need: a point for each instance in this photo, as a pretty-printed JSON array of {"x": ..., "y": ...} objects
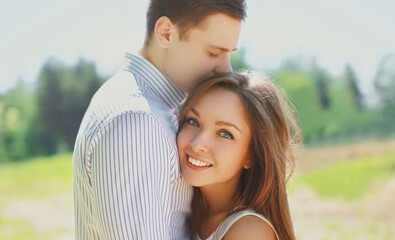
[{"x": 250, "y": 227}]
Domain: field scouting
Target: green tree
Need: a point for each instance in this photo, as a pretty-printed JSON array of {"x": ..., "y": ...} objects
[
  {"x": 384, "y": 80},
  {"x": 341, "y": 120},
  {"x": 321, "y": 79},
  {"x": 384, "y": 83},
  {"x": 300, "y": 87},
  {"x": 49, "y": 105},
  {"x": 63, "y": 96},
  {"x": 16, "y": 114},
  {"x": 353, "y": 85},
  {"x": 238, "y": 61}
]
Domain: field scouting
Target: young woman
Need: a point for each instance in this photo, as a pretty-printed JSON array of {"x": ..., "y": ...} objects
[{"x": 235, "y": 146}]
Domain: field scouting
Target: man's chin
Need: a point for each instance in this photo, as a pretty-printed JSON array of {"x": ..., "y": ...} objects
[
  {"x": 188, "y": 89},
  {"x": 197, "y": 82}
]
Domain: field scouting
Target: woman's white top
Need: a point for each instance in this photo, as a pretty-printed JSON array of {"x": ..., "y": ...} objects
[{"x": 220, "y": 232}]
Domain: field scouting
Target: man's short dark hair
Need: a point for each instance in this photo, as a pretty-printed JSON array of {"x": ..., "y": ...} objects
[{"x": 187, "y": 14}]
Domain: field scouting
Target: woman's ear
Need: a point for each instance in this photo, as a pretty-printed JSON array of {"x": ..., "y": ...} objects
[
  {"x": 164, "y": 27},
  {"x": 247, "y": 163}
]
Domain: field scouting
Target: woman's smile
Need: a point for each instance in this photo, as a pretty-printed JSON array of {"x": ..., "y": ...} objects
[{"x": 196, "y": 164}]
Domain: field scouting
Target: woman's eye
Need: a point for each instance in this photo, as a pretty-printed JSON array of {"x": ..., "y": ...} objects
[
  {"x": 226, "y": 135},
  {"x": 192, "y": 122}
]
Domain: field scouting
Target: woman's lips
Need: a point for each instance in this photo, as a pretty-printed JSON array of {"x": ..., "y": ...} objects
[{"x": 196, "y": 164}]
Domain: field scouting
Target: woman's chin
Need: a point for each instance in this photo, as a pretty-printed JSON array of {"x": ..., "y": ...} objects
[{"x": 191, "y": 180}]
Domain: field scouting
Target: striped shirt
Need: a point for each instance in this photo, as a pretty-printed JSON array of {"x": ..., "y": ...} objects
[{"x": 126, "y": 173}]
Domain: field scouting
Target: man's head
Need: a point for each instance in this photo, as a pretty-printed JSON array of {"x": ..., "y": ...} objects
[{"x": 190, "y": 39}]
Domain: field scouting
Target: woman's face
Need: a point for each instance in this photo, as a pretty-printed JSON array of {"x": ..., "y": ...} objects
[{"x": 214, "y": 139}]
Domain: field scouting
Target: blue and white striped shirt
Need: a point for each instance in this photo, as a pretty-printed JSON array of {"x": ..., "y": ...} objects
[{"x": 126, "y": 173}]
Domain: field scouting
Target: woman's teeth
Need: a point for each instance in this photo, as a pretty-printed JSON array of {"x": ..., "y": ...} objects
[{"x": 198, "y": 163}]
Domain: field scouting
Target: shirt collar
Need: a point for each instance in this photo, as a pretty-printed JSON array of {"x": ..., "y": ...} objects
[{"x": 162, "y": 86}]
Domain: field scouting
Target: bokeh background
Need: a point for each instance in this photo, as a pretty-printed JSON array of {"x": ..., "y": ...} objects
[{"x": 335, "y": 59}]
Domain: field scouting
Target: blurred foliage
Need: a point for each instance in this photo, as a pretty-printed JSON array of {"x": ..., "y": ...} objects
[
  {"x": 237, "y": 59},
  {"x": 340, "y": 118},
  {"x": 333, "y": 109},
  {"x": 384, "y": 83},
  {"x": 63, "y": 95},
  {"x": 45, "y": 120},
  {"x": 352, "y": 83},
  {"x": 17, "y": 109},
  {"x": 321, "y": 80}
]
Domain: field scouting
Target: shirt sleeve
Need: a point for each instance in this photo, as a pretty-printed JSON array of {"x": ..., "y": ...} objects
[{"x": 131, "y": 179}]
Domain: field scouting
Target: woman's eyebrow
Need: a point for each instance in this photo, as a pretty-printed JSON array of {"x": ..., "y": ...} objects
[
  {"x": 223, "y": 123},
  {"x": 195, "y": 112}
]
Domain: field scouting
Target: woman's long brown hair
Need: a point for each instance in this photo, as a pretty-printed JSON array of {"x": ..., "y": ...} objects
[{"x": 262, "y": 187}]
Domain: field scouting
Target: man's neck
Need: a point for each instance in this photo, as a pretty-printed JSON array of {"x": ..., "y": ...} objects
[{"x": 154, "y": 54}]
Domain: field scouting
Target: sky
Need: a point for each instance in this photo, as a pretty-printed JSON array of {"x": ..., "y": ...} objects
[{"x": 359, "y": 32}]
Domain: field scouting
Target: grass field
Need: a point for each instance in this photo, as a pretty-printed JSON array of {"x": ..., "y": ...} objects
[
  {"x": 36, "y": 199},
  {"x": 346, "y": 196},
  {"x": 350, "y": 178}
]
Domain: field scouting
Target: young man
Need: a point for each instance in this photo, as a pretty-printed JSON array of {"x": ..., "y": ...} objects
[{"x": 127, "y": 182}]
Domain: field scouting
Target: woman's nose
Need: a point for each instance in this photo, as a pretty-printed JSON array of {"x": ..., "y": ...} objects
[{"x": 199, "y": 144}]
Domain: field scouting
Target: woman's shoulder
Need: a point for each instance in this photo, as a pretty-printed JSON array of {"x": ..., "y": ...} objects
[
  {"x": 248, "y": 224},
  {"x": 250, "y": 227}
]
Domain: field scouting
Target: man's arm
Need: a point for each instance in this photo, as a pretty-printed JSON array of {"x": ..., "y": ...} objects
[{"x": 131, "y": 179}]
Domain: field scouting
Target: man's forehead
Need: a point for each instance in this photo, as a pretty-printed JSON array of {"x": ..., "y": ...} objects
[
  {"x": 213, "y": 20},
  {"x": 218, "y": 31},
  {"x": 202, "y": 26}
]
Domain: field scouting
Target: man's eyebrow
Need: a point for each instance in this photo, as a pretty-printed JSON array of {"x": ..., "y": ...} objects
[
  {"x": 195, "y": 112},
  {"x": 223, "y": 123},
  {"x": 222, "y": 48}
]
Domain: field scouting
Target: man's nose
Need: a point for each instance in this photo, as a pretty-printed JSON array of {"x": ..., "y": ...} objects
[{"x": 224, "y": 65}]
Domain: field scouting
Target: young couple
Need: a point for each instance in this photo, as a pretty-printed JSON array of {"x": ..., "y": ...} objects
[{"x": 219, "y": 171}]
